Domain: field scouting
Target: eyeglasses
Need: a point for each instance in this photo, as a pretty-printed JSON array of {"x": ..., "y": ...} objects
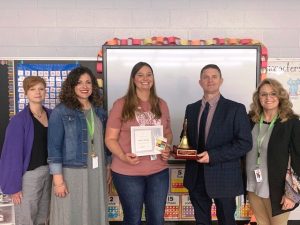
[{"x": 265, "y": 94}]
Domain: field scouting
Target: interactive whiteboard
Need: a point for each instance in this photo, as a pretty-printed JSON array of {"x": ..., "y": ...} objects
[{"x": 177, "y": 71}]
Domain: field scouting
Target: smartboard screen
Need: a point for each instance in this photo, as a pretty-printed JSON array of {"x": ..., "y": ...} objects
[{"x": 177, "y": 72}]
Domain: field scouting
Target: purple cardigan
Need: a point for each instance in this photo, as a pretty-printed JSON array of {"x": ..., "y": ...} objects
[{"x": 16, "y": 151}]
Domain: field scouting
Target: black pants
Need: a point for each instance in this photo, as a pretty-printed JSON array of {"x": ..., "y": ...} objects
[{"x": 202, "y": 205}]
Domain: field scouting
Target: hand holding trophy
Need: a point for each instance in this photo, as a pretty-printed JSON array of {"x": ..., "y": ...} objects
[{"x": 183, "y": 150}]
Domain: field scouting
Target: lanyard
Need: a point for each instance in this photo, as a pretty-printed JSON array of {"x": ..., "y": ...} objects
[
  {"x": 261, "y": 137},
  {"x": 91, "y": 125}
]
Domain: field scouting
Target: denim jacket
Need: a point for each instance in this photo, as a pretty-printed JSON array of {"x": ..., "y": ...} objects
[{"x": 68, "y": 138}]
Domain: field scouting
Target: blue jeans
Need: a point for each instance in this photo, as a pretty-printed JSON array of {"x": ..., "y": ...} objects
[{"x": 151, "y": 190}]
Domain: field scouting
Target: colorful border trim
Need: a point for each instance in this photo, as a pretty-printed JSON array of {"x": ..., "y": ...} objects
[{"x": 179, "y": 41}]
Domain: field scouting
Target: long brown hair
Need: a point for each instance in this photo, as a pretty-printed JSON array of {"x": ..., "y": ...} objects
[
  {"x": 131, "y": 98},
  {"x": 68, "y": 95},
  {"x": 285, "y": 110}
]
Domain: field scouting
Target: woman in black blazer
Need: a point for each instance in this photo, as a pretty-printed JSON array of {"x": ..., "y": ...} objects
[{"x": 275, "y": 133}]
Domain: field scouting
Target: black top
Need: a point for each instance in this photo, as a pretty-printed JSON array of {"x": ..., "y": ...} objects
[
  {"x": 265, "y": 122},
  {"x": 39, "y": 153}
]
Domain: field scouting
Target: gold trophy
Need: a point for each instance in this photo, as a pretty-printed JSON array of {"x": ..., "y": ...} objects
[{"x": 183, "y": 150}]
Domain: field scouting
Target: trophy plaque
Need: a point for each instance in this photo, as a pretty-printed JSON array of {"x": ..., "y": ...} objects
[{"x": 183, "y": 150}]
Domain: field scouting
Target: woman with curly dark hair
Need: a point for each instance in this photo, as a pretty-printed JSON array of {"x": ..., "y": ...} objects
[
  {"x": 76, "y": 153},
  {"x": 275, "y": 135}
]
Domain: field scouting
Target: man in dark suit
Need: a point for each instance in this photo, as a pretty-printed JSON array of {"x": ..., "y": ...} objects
[{"x": 221, "y": 140}]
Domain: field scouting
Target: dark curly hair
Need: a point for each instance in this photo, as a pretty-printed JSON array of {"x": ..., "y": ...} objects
[{"x": 68, "y": 96}]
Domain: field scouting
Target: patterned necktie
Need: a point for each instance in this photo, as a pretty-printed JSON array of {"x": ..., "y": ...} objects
[{"x": 201, "y": 140}]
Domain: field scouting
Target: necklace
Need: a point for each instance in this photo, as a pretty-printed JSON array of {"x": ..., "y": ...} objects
[{"x": 37, "y": 115}]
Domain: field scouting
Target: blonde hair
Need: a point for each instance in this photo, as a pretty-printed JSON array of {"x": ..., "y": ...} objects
[{"x": 285, "y": 110}]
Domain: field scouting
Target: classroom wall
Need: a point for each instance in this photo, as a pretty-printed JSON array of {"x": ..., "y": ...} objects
[{"x": 78, "y": 28}]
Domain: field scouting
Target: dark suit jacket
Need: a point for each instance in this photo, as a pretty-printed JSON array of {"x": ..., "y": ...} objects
[
  {"x": 229, "y": 138},
  {"x": 285, "y": 136}
]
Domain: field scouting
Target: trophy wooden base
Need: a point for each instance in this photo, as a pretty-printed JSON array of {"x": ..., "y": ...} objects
[{"x": 180, "y": 153}]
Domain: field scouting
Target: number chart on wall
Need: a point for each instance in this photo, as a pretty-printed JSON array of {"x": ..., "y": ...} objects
[
  {"x": 53, "y": 74},
  {"x": 14, "y": 70}
]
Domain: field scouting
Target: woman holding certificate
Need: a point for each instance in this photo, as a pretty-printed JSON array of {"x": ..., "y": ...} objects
[{"x": 139, "y": 173}]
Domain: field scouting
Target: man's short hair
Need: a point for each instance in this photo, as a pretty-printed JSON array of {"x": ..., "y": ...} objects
[{"x": 211, "y": 66}]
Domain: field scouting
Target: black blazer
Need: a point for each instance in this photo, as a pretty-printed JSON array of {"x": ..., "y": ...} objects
[
  {"x": 285, "y": 136},
  {"x": 229, "y": 138}
]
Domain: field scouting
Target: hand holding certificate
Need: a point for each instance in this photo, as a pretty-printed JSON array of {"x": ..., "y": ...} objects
[{"x": 147, "y": 140}]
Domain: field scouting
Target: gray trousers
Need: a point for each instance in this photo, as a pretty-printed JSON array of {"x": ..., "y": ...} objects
[{"x": 36, "y": 189}]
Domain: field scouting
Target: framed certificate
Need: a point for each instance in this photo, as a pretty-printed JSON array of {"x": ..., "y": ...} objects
[{"x": 143, "y": 139}]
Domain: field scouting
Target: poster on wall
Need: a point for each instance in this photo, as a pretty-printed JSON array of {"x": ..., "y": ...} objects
[
  {"x": 287, "y": 72},
  {"x": 54, "y": 75}
]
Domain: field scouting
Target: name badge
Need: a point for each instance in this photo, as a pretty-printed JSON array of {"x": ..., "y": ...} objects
[
  {"x": 153, "y": 157},
  {"x": 95, "y": 163},
  {"x": 258, "y": 175}
]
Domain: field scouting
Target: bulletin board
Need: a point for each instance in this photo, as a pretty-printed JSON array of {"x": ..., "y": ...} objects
[
  {"x": 10, "y": 83},
  {"x": 53, "y": 74},
  {"x": 287, "y": 72}
]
